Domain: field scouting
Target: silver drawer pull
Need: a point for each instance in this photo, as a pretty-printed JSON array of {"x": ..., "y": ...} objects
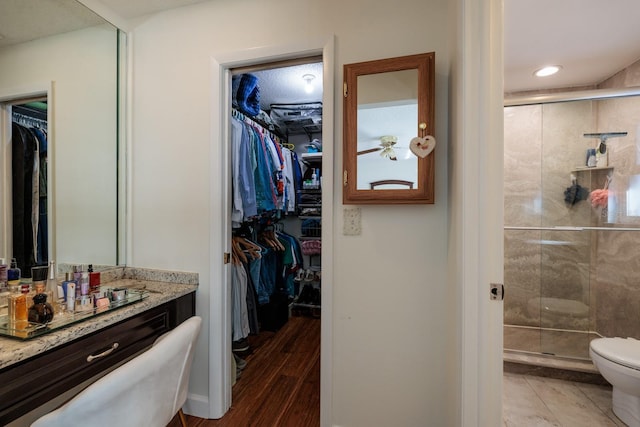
[{"x": 91, "y": 357}]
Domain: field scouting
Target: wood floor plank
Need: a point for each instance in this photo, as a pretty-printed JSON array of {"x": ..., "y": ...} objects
[
  {"x": 280, "y": 385},
  {"x": 304, "y": 409}
]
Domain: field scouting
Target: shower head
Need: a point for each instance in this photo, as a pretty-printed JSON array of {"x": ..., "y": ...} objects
[{"x": 603, "y": 136}]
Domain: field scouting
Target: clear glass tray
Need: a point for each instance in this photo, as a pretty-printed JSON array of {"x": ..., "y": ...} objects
[{"x": 64, "y": 319}]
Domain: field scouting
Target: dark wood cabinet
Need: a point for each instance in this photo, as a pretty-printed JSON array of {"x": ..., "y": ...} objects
[{"x": 34, "y": 381}]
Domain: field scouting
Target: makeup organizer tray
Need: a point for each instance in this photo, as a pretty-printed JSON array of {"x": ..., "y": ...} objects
[{"x": 64, "y": 319}]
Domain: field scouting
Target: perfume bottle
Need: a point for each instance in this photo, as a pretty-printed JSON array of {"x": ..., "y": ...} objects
[
  {"x": 77, "y": 276},
  {"x": 94, "y": 280},
  {"x": 13, "y": 273},
  {"x": 18, "y": 313},
  {"x": 52, "y": 288},
  {"x": 41, "y": 311}
]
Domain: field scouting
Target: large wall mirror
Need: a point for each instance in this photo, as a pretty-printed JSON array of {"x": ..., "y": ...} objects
[
  {"x": 388, "y": 123},
  {"x": 65, "y": 61}
]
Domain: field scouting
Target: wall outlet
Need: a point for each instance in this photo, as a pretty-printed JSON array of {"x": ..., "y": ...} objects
[{"x": 351, "y": 226}]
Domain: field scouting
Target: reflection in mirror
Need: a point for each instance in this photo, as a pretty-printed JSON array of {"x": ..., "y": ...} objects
[
  {"x": 385, "y": 103},
  {"x": 71, "y": 63},
  {"x": 387, "y": 117}
]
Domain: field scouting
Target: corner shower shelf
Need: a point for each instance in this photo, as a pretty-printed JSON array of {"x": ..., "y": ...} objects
[{"x": 586, "y": 168}]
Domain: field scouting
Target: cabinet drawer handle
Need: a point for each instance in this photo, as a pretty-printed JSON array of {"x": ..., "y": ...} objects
[{"x": 91, "y": 357}]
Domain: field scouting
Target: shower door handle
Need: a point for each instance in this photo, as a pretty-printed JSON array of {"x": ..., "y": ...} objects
[{"x": 496, "y": 291}]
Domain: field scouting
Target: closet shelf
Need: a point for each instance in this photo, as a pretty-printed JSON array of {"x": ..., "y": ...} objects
[{"x": 312, "y": 157}]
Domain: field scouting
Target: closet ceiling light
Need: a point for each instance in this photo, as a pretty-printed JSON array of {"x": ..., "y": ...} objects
[
  {"x": 308, "y": 78},
  {"x": 547, "y": 71}
]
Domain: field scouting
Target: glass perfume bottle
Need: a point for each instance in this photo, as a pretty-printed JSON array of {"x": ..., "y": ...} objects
[
  {"x": 13, "y": 273},
  {"x": 52, "y": 285},
  {"x": 41, "y": 311},
  {"x": 18, "y": 313}
]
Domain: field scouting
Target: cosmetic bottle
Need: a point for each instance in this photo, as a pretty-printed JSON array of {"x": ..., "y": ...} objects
[
  {"x": 3, "y": 273},
  {"x": 41, "y": 311},
  {"x": 77, "y": 276},
  {"x": 56, "y": 297},
  {"x": 18, "y": 313},
  {"x": 39, "y": 278},
  {"x": 71, "y": 296},
  {"x": 68, "y": 278},
  {"x": 94, "y": 280},
  {"x": 13, "y": 273},
  {"x": 84, "y": 283}
]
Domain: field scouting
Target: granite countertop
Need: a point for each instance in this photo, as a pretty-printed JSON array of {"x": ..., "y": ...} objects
[{"x": 162, "y": 287}]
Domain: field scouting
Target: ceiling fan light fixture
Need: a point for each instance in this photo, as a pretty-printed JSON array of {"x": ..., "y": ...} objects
[
  {"x": 547, "y": 70},
  {"x": 308, "y": 86},
  {"x": 388, "y": 140}
]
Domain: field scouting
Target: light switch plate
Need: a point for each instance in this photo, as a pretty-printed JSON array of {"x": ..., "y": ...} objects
[{"x": 351, "y": 226}]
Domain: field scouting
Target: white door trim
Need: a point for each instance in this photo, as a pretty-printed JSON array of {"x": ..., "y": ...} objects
[
  {"x": 478, "y": 206},
  {"x": 220, "y": 205},
  {"x": 9, "y": 96}
]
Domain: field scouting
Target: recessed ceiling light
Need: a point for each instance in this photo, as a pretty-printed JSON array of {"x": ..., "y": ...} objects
[{"x": 547, "y": 71}]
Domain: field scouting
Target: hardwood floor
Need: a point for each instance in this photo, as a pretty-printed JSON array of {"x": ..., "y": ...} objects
[{"x": 280, "y": 385}]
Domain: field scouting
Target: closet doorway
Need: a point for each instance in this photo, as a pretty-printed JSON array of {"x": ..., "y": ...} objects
[
  {"x": 276, "y": 149},
  {"x": 26, "y": 181}
]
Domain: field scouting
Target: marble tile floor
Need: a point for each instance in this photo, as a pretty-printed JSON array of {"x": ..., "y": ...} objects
[{"x": 530, "y": 401}]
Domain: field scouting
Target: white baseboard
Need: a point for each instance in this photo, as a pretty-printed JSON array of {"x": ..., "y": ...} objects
[{"x": 197, "y": 405}]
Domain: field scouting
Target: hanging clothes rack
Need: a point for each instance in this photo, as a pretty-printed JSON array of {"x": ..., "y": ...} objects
[
  {"x": 28, "y": 121},
  {"x": 276, "y": 137}
]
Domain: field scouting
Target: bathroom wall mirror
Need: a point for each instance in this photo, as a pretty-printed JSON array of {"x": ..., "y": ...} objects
[
  {"x": 70, "y": 58},
  {"x": 388, "y": 123}
]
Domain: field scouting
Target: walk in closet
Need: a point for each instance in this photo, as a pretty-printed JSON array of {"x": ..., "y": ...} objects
[
  {"x": 29, "y": 184},
  {"x": 276, "y": 155}
]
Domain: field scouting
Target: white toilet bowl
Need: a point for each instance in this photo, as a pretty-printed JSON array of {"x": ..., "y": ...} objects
[{"x": 618, "y": 360}]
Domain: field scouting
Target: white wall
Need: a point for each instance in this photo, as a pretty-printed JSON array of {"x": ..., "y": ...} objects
[
  {"x": 80, "y": 67},
  {"x": 391, "y": 324}
]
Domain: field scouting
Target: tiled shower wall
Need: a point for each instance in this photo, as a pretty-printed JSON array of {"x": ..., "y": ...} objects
[{"x": 599, "y": 270}]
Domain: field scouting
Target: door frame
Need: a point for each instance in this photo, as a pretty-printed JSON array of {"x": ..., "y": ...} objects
[
  {"x": 9, "y": 97},
  {"x": 477, "y": 206},
  {"x": 220, "y": 374}
]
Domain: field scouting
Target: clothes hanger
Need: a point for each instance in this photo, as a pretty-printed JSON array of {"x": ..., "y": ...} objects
[{"x": 237, "y": 251}]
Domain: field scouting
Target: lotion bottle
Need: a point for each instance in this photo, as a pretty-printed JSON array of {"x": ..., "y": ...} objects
[
  {"x": 71, "y": 297},
  {"x": 65, "y": 285}
]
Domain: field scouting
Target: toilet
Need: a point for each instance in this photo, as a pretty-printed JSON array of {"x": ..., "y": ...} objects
[{"x": 618, "y": 360}]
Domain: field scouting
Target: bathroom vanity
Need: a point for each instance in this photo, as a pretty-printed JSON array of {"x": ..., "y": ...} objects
[{"x": 38, "y": 369}]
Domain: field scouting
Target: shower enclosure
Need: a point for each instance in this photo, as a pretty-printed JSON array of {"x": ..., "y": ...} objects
[{"x": 572, "y": 241}]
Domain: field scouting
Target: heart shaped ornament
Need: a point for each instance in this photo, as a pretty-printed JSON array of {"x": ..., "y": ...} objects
[{"x": 422, "y": 147}]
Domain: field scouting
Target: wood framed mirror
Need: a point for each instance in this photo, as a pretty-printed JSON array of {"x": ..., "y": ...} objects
[{"x": 388, "y": 123}]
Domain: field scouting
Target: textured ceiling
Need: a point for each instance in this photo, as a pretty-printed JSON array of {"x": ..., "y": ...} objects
[{"x": 286, "y": 85}]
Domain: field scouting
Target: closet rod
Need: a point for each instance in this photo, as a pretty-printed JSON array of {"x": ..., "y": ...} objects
[
  {"x": 241, "y": 116},
  {"x": 28, "y": 121}
]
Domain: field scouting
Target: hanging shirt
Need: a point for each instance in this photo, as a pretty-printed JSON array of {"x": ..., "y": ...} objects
[
  {"x": 289, "y": 183},
  {"x": 244, "y": 193}
]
